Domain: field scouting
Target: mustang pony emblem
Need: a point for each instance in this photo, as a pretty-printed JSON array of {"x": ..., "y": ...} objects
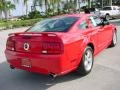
[{"x": 26, "y": 46}]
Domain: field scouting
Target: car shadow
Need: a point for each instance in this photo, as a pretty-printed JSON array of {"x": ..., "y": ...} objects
[{"x": 19, "y": 79}]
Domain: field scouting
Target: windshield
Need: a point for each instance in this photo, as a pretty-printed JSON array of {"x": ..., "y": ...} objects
[{"x": 60, "y": 24}]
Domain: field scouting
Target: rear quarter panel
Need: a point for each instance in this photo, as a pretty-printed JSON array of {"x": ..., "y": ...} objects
[{"x": 73, "y": 49}]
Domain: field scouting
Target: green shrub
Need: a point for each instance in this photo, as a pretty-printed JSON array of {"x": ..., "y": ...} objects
[
  {"x": 34, "y": 14},
  {"x": 24, "y": 17},
  {"x": 16, "y": 24}
]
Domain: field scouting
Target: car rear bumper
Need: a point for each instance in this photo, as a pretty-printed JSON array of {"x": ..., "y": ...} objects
[{"x": 44, "y": 64}]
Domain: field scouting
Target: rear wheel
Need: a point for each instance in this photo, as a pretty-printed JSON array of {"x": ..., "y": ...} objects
[
  {"x": 108, "y": 17},
  {"x": 114, "y": 39},
  {"x": 86, "y": 62}
]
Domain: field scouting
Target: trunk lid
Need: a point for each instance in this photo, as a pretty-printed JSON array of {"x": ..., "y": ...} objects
[{"x": 42, "y": 43}]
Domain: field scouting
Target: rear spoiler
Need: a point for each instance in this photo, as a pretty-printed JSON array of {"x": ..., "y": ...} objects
[{"x": 32, "y": 34}]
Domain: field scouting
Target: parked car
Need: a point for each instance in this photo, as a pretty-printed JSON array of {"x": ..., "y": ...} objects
[
  {"x": 61, "y": 44},
  {"x": 110, "y": 12},
  {"x": 95, "y": 11}
]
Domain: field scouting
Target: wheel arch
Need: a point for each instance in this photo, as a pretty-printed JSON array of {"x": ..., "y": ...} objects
[
  {"x": 107, "y": 14},
  {"x": 92, "y": 46},
  {"x": 115, "y": 30}
]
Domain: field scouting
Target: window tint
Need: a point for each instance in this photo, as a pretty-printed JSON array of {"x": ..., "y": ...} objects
[
  {"x": 95, "y": 21},
  {"x": 118, "y": 9},
  {"x": 60, "y": 24},
  {"x": 114, "y": 8},
  {"x": 83, "y": 25},
  {"x": 107, "y": 8}
]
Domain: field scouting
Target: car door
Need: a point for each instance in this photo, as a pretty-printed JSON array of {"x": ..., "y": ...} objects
[
  {"x": 115, "y": 11},
  {"x": 102, "y": 32},
  {"x": 89, "y": 32}
]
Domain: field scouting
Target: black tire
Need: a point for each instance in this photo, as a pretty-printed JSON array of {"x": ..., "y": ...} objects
[
  {"x": 114, "y": 40},
  {"x": 82, "y": 70},
  {"x": 108, "y": 17}
]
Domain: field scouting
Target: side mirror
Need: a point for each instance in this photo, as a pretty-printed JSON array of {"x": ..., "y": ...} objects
[{"x": 104, "y": 22}]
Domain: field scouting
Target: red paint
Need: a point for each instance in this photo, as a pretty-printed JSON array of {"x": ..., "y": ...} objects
[{"x": 56, "y": 52}]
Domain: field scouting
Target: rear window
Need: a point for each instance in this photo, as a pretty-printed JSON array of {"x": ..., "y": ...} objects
[
  {"x": 59, "y": 24},
  {"x": 107, "y": 8}
]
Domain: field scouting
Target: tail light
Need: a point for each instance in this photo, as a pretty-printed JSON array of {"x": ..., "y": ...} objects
[
  {"x": 10, "y": 44},
  {"x": 52, "y": 45},
  {"x": 52, "y": 48}
]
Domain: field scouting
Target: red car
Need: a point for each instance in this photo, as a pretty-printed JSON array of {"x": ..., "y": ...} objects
[{"x": 61, "y": 44}]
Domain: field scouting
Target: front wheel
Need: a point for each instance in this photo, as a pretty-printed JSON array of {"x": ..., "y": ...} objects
[{"x": 86, "y": 62}]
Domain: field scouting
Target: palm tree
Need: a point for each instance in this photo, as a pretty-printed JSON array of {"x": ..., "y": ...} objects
[
  {"x": 10, "y": 7},
  {"x": 1, "y": 8},
  {"x": 6, "y": 7},
  {"x": 46, "y": 5},
  {"x": 54, "y": 3},
  {"x": 37, "y": 2},
  {"x": 41, "y": 2},
  {"x": 26, "y": 4}
]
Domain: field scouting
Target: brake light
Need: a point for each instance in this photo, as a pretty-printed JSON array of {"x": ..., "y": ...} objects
[
  {"x": 10, "y": 44},
  {"x": 52, "y": 48}
]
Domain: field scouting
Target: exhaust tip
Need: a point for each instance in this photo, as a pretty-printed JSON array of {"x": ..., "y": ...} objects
[
  {"x": 12, "y": 67},
  {"x": 53, "y": 75}
]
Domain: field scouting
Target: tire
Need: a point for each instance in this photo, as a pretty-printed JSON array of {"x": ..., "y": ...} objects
[
  {"x": 86, "y": 63},
  {"x": 114, "y": 40},
  {"x": 108, "y": 17}
]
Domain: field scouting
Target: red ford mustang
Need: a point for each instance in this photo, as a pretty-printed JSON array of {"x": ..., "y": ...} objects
[{"x": 61, "y": 44}]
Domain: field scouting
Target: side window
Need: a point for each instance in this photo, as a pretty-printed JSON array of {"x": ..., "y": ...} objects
[
  {"x": 114, "y": 8},
  {"x": 118, "y": 9},
  {"x": 95, "y": 21},
  {"x": 107, "y": 8},
  {"x": 83, "y": 25}
]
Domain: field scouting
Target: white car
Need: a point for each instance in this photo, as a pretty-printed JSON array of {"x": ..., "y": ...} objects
[{"x": 110, "y": 12}]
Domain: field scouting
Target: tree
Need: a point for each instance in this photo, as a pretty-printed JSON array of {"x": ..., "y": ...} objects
[
  {"x": 55, "y": 5},
  {"x": 6, "y": 7},
  {"x": 1, "y": 8},
  {"x": 26, "y": 4},
  {"x": 37, "y": 3},
  {"x": 9, "y": 7},
  {"x": 41, "y": 2}
]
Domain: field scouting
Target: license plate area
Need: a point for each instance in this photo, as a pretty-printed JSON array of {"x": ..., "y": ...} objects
[{"x": 26, "y": 63}]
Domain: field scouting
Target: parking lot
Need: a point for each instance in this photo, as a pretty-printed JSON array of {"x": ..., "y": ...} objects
[{"x": 104, "y": 76}]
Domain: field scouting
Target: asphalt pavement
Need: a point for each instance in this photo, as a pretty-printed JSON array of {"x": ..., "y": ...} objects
[{"x": 105, "y": 74}]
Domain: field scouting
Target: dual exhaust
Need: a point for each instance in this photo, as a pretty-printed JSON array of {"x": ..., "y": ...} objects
[{"x": 52, "y": 75}]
